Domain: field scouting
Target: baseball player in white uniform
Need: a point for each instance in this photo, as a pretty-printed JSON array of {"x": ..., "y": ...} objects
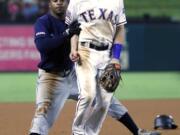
[{"x": 102, "y": 30}]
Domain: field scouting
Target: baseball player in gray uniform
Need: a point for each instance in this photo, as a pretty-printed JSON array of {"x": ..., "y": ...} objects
[{"x": 56, "y": 80}]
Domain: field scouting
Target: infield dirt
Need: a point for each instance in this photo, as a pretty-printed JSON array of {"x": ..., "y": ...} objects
[{"x": 15, "y": 118}]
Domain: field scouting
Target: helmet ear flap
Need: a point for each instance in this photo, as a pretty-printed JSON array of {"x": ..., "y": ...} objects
[{"x": 164, "y": 122}]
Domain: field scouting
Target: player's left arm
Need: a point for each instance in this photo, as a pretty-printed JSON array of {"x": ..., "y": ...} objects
[
  {"x": 112, "y": 71},
  {"x": 119, "y": 36},
  {"x": 111, "y": 76},
  {"x": 118, "y": 45}
]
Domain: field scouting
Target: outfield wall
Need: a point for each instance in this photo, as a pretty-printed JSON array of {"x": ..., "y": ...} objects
[
  {"x": 148, "y": 47},
  {"x": 154, "y": 46}
]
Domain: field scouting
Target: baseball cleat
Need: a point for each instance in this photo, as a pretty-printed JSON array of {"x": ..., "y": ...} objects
[{"x": 146, "y": 132}]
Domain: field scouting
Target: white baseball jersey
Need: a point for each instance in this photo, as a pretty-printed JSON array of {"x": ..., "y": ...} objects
[{"x": 98, "y": 18}]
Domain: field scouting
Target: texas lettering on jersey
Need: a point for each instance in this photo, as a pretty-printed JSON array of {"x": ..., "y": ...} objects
[
  {"x": 86, "y": 11},
  {"x": 104, "y": 14},
  {"x": 98, "y": 18}
]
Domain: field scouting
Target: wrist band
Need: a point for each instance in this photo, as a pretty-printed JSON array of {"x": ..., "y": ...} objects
[{"x": 116, "y": 50}]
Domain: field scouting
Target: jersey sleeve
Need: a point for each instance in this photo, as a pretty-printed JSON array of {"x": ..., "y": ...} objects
[
  {"x": 71, "y": 14},
  {"x": 44, "y": 41},
  {"x": 122, "y": 15},
  {"x": 40, "y": 29}
]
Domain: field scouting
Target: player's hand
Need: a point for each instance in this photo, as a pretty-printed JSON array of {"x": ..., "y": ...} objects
[
  {"x": 116, "y": 63},
  {"x": 73, "y": 29},
  {"x": 74, "y": 56}
]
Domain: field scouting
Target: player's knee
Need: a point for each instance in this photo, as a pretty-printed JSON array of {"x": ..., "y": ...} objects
[
  {"x": 42, "y": 108},
  {"x": 86, "y": 99}
]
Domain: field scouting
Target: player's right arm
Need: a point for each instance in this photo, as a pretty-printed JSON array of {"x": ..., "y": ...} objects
[
  {"x": 71, "y": 16},
  {"x": 74, "y": 56},
  {"x": 45, "y": 42}
]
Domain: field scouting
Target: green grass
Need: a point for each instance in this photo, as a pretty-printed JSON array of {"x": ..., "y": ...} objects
[
  {"x": 20, "y": 87},
  {"x": 149, "y": 85},
  {"x": 17, "y": 87},
  {"x": 156, "y": 8}
]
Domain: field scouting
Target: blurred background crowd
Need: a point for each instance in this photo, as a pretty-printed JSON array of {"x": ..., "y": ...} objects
[
  {"x": 26, "y": 11},
  {"x": 21, "y": 11}
]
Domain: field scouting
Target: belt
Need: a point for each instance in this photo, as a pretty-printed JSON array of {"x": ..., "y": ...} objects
[{"x": 93, "y": 46}]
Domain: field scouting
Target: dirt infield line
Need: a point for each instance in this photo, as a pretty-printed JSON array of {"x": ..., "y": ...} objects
[{"x": 15, "y": 118}]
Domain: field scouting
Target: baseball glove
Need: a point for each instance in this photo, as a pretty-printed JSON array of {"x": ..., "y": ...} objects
[{"x": 111, "y": 77}]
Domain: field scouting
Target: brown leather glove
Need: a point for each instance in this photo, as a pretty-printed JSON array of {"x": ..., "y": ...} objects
[{"x": 111, "y": 77}]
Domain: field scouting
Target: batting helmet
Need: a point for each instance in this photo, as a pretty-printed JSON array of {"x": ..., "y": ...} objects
[{"x": 164, "y": 122}]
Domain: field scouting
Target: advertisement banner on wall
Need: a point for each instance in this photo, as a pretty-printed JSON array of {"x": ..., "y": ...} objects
[{"x": 17, "y": 49}]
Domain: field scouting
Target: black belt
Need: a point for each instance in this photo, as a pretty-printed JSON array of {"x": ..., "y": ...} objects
[{"x": 93, "y": 46}]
